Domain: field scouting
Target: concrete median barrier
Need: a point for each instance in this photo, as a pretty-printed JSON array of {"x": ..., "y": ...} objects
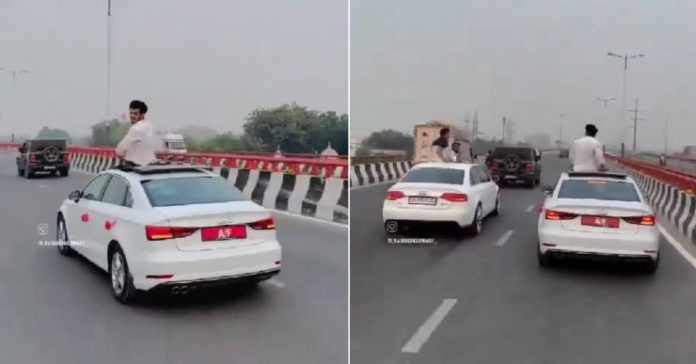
[
  {"x": 673, "y": 199},
  {"x": 366, "y": 174},
  {"x": 316, "y": 188}
]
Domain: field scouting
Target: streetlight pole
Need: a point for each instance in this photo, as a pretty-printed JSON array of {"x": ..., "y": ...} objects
[
  {"x": 625, "y": 59},
  {"x": 14, "y": 78},
  {"x": 108, "y": 63},
  {"x": 560, "y": 131},
  {"x": 605, "y": 101}
]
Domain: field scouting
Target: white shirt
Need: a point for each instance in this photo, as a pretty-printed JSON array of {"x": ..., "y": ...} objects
[
  {"x": 587, "y": 154},
  {"x": 138, "y": 146}
]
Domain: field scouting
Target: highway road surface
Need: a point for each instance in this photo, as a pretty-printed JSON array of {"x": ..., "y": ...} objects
[
  {"x": 59, "y": 310},
  {"x": 484, "y": 300}
]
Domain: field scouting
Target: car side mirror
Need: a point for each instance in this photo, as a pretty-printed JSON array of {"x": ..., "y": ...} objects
[
  {"x": 75, "y": 195},
  {"x": 548, "y": 190}
]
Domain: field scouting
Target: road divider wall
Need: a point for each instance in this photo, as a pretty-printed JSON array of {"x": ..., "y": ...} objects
[
  {"x": 672, "y": 194},
  {"x": 316, "y": 187}
]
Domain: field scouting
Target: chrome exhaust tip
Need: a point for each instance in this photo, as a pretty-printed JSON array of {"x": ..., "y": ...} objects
[
  {"x": 183, "y": 290},
  {"x": 175, "y": 290}
]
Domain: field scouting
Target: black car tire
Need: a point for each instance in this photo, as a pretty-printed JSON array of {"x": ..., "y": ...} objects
[
  {"x": 531, "y": 183},
  {"x": 63, "y": 172},
  {"x": 64, "y": 249},
  {"x": 128, "y": 293},
  {"x": 477, "y": 225},
  {"x": 545, "y": 260},
  {"x": 651, "y": 266}
]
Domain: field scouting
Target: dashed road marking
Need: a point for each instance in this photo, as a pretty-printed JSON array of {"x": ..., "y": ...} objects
[
  {"x": 276, "y": 283},
  {"x": 423, "y": 334},
  {"x": 503, "y": 239},
  {"x": 44, "y": 187},
  {"x": 675, "y": 243},
  {"x": 530, "y": 208}
]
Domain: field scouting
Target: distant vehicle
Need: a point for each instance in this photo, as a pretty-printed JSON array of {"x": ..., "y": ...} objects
[
  {"x": 516, "y": 164},
  {"x": 600, "y": 215},
  {"x": 459, "y": 193},
  {"x": 173, "y": 144},
  {"x": 43, "y": 155},
  {"x": 425, "y": 134},
  {"x": 167, "y": 227},
  {"x": 564, "y": 153}
]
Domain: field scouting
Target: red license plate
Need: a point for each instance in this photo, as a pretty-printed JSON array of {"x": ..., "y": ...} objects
[
  {"x": 224, "y": 233},
  {"x": 600, "y": 221}
]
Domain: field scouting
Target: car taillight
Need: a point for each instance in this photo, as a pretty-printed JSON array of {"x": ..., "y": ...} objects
[
  {"x": 165, "y": 232},
  {"x": 641, "y": 220},
  {"x": 66, "y": 158},
  {"x": 558, "y": 215},
  {"x": 32, "y": 158},
  {"x": 395, "y": 195},
  {"x": 530, "y": 168},
  {"x": 267, "y": 224},
  {"x": 455, "y": 197}
]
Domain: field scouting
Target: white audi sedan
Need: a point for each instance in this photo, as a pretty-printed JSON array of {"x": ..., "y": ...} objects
[
  {"x": 597, "y": 215},
  {"x": 459, "y": 193},
  {"x": 173, "y": 228}
]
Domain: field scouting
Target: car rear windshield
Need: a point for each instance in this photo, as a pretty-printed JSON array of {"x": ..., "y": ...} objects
[
  {"x": 435, "y": 175},
  {"x": 190, "y": 190},
  {"x": 521, "y": 153},
  {"x": 599, "y": 190}
]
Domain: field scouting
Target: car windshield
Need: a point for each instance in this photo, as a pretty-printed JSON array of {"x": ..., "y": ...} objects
[
  {"x": 190, "y": 190},
  {"x": 435, "y": 175},
  {"x": 522, "y": 153},
  {"x": 599, "y": 190}
]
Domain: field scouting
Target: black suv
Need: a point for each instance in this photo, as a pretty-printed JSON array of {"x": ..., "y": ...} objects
[
  {"x": 516, "y": 164},
  {"x": 43, "y": 155}
]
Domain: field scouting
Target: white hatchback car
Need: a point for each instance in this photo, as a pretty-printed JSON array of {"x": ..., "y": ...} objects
[
  {"x": 460, "y": 193},
  {"x": 600, "y": 215},
  {"x": 168, "y": 227}
]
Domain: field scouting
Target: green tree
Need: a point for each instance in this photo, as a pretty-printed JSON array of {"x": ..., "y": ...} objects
[
  {"x": 108, "y": 133},
  {"x": 390, "y": 139},
  {"x": 48, "y": 133},
  {"x": 296, "y": 129}
]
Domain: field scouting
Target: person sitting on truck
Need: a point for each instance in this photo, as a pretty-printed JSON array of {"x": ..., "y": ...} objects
[
  {"x": 440, "y": 144},
  {"x": 138, "y": 148},
  {"x": 587, "y": 153}
]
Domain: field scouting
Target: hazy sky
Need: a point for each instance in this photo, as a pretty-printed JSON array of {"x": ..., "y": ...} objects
[
  {"x": 414, "y": 60},
  {"x": 203, "y": 62}
]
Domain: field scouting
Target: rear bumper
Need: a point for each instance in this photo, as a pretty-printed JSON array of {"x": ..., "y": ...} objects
[
  {"x": 643, "y": 245},
  {"x": 217, "y": 281},
  {"x": 462, "y": 215},
  {"x": 49, "y": 167},
  {"x": 208, "y": 267}
]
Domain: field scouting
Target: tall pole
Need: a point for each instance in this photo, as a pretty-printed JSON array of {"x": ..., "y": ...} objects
[
  {"x": 560, "y": 131},
  {"x": 108, "y": 63},
  {"x": 625, "y": 59},
  {"x": 635, "y": 125},
  {"x": 666, "y": 132},
  {"x": 504, "y": 122}
]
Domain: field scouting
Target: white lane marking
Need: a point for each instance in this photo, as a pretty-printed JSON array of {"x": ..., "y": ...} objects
[
  {"x": 423, "y": 334},
  {"x": 675, "y": 243},
  {"x": 44, "y": 187},
  {"x": 503, "y": 239},
  {"x": 530, "y": 208},
  {"x": 276, "y": 283}
]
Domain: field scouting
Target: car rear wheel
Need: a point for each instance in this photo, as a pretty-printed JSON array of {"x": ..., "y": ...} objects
[
  {"x": 545, "y": 260},
  {"x": 496, "y": 211},
  {"x": 651, "y": 266},
  {"x": 121, "y": 281},
  {"x": 62, "y": 238},
  {"x": 63, "y": 172},
  {"x": 477, "y": 224}
]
